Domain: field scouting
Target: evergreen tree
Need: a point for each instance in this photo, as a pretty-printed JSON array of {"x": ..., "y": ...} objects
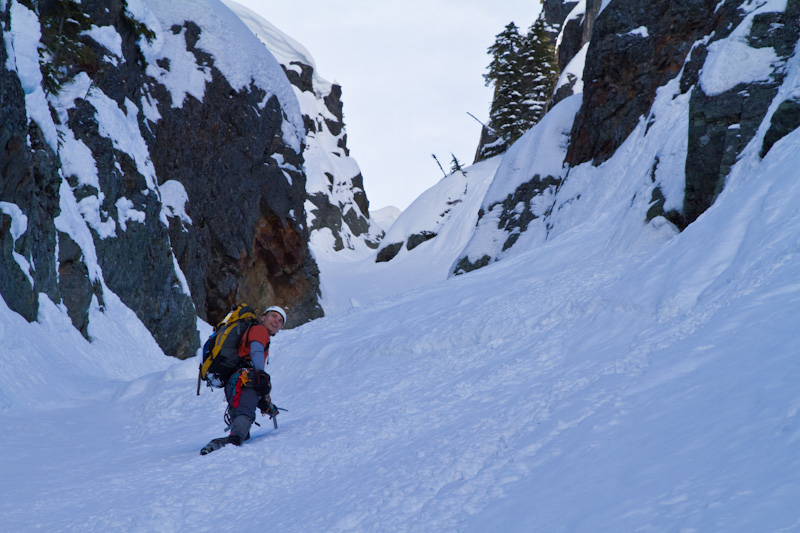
[
  {"x": 539, "y": 73},
  {"x": 523, "y": 70},
  {"x": 506, "y": 109}
]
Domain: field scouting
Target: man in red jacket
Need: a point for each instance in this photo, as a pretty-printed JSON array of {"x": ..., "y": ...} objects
[{"x": 249, "y": 387}]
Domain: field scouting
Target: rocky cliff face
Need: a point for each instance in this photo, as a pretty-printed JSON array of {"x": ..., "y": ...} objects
[
  {"x": 29, "y": 191},
  {"x": 724, "y": 118},
  {"x": 153, "y": 154},
  {"x": 722, "y": 62},
  {"x": 626, "y": 65},
  {"x": 337, "y": 207},
  {"x": 572, "y": 22}
]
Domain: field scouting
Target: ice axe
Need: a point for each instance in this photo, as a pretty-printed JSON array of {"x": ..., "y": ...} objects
[{"x": 274, "y": 416}]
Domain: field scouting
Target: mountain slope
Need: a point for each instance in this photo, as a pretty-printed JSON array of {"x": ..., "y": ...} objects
[
  {"x": 671, "y": 94},
  {"x": 608, "y": 373},
  {"x": 613, "y": 378}
]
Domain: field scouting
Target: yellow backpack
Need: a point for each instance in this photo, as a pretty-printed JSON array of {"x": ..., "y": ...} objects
[{"x": 221, "y": 350}]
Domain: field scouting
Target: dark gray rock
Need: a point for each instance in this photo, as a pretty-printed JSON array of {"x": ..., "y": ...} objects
[
  {"x": 721, "y": 125},
  {"x": 29, "y": 179},
  {"x": 516, "y": 212},
  {"x": 418, "y": 238},
  {"x": 488, "y": 136},
  {"x": 574, "y": 32},
  {"x": 785, "y": 119},
  {"x": 515, "y": 221},
  {"x": 464, "y": 265},
  {"x": 572, "y": 40},
  {"x": 334, "y": 104},
  {"x": 76, "y": 288},
  {"x": 658, "y": 201},
  {"x": 15, "y": 286},
  {"x": 15, "y": 185},
  {"x": 303, "y": 80},
  {"x": 555, "y": 12},
  {"x": 565, "y": 89},
  {"x": 349, "y": 219},
  {"x": 243, "y": 245},
  {"x": 624, "y": 70},
  {"x": 388, "y": 252},
  {"x": 592, "y": 10}
]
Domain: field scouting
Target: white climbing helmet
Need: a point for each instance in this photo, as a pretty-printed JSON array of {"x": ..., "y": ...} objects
[{"x": 278, "y": 310}]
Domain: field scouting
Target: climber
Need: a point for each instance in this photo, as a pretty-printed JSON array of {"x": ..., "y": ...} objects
[{"x": 249, "y": 386}]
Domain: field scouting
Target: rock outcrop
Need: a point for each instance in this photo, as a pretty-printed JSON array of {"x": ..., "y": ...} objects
[
  {"x": 724, "y": 118},
  {"x": 624, "y": 67},
  {"x": 139, "y": 161},
  {"x": 337, "y": 207}
]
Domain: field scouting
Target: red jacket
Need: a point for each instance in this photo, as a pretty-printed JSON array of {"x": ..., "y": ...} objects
[{"x": 255, "y": 333}]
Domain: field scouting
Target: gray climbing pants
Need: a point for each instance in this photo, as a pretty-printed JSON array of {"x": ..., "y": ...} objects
[{"x": 246, "y": 401}]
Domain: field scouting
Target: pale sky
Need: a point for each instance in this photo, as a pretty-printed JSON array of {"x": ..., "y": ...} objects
[{"x": 410, "y": 71}]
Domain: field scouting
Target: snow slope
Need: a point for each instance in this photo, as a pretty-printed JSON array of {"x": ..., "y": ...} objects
[
  {"x": 647, "y": 382},
  {"x": 385, "y": 216},
  {"x": 449, "y": 210}
]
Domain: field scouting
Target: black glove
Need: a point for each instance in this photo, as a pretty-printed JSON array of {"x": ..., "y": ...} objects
[
  {"x": 262, "y": 383},
  {"x": 267, "y": 407}
]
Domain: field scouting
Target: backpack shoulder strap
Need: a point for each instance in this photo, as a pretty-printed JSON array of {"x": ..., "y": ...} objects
[{"x": 247, "y": 337}]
